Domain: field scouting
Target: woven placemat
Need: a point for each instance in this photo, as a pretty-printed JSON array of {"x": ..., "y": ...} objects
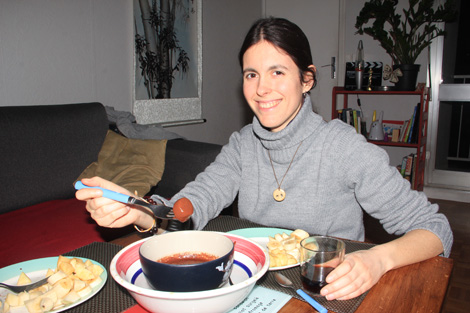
[
  {"x": 228, "y": 223},
  {"x": 112, "y": 298}
]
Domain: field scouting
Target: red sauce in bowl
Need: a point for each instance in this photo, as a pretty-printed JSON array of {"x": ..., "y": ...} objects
[{"x": 187, "y": 258}]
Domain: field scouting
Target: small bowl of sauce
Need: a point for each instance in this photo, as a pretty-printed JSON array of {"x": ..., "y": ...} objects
[{"x": 187, "y": 261}]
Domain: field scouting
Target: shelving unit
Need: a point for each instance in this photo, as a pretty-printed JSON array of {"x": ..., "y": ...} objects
[{"x": 420, "y": 145}]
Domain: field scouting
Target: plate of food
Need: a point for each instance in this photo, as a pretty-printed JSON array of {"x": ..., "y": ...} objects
[
  {"x": 72, "y": 280},
  {"x": 282, "y": 244}
]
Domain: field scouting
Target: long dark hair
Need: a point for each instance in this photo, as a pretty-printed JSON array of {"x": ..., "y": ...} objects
[{"x": 286, "y": 36}]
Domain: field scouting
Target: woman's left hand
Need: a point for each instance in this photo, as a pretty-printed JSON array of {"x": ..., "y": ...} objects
[
  {"x": 361, "y": 270},
  {"x": 358, "y": 272}
]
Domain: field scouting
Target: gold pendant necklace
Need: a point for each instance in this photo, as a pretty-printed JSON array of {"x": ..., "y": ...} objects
[{"x": 279, "y": 194}]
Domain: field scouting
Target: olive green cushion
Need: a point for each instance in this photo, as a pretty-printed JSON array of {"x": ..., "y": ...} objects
[{"x": 134, "y": 164}]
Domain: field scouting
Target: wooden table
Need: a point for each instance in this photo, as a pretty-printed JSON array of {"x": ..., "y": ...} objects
[{"x": 419, "y": 287}]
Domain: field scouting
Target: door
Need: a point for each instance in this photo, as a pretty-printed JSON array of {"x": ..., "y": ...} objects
[
  {"x": 319, "y": 19},
  {"x": 449, "y": 120}
]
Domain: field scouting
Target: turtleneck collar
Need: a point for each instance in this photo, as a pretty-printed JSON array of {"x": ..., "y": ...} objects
[{"x": 302, "y": 126}]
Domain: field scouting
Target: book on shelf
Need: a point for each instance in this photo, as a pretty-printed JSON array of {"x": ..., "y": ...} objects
[
  {"x": 415, "y": 130},
  {"x": 414, "y": 170},
  {"x": 408, "y": 168},
  {"x": 406, "y": 127},
  {"x": 359, "y": 125},
  {"x": 407, "y": 134},
  {"x": 412, "y": 124},
  {"x": 411, "y": 127},
  {"x": 403, "y": 166},
  {"x": 355, "y": 120},
  {"x": 352, "y": 117},
  {"x": 395, "y": 135},
  {"x": 409, "y": 165}
]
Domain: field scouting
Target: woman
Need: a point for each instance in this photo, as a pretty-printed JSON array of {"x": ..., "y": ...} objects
[{"x": 292, "y": 169}]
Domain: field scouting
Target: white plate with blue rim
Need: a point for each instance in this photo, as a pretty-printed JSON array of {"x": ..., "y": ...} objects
[
  {"x": 36, "y": 269},
  {"x": 261, "y": 236}
]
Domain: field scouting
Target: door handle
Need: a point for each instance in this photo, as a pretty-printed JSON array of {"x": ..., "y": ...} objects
[{"x": 333, "y": 67}]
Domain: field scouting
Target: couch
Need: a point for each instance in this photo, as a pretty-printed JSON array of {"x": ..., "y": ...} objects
[{"x": 44, "y": 149}]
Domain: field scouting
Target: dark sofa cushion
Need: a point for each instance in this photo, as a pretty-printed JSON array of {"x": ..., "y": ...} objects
[
  {"x": 184, "y": 159},
  {"x": 45, "y": 148},
  {"x": 49, "y": 229}
]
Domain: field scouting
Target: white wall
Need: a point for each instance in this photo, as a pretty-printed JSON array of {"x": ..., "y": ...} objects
[
  {"x": 224, "y": 25},
  {"x": 68, "y": 51},
  {"x": 64, "y": 51}
]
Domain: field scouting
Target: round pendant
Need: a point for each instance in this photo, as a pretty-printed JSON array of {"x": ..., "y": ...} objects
[{"x": 279, "y": 194}]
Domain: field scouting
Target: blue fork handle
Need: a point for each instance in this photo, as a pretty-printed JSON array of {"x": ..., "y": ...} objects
[
  {"x": 113, "y": 195},
  {"x": 312, "y": 302}
]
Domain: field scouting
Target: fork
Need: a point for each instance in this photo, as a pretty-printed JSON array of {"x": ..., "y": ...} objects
[
  {"x": 159, "y": 210},
  {"x": 18, "y": 289}
]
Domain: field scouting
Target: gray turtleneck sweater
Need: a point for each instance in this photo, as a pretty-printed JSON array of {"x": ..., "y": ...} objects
[{"x": 334, "y": 176}]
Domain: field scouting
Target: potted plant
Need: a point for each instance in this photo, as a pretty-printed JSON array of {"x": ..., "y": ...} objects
[{"x": 404, "y": 37}]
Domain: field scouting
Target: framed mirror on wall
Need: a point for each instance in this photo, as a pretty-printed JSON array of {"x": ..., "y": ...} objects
[{"x": 167, "y": 84}]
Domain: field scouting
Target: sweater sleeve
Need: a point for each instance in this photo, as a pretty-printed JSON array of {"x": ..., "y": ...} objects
[
  {"x": 383, "y": 193},
  {"x": 216, "y": 187}
]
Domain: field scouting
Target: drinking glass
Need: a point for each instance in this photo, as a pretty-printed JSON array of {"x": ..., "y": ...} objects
[{"x": 319, "y": 255}]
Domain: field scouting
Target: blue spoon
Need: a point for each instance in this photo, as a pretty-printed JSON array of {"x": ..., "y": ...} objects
[{"x": 286, "y": 282}]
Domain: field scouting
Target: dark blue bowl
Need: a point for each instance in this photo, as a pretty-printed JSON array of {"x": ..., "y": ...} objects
[{"x": 192, "y": 277}]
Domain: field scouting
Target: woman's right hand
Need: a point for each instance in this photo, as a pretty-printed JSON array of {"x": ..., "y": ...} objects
[{"x": 107, "y": 212}]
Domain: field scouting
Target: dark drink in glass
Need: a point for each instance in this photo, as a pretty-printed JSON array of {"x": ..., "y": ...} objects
[
  {"x": 313, "y": 276},
  {"x": 319, "y": 255}
]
